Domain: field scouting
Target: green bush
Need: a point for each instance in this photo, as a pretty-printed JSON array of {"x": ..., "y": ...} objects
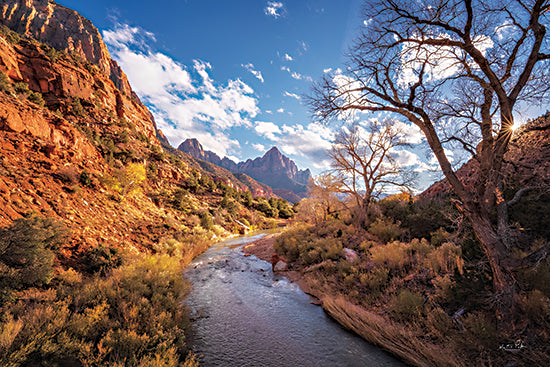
[
  {"x": 304, "y": 245},
  {"x": 385, "y": 229},
  {"x": 77, "y": 108},
  {"x": 5, "y": 83},
  {"x": 85, "y": 179},
  {"x": 101, "y": 259},
  {"x": 11, "y": 36},
  {"x": 537, "y": 307},
  {"x": 132, "y": 317},
  {"x": 53, "y": 54},
  {"x": 21, "y": 88},
  {"x": 36, "y": 97},
  {"x": 407, "y": 305},
  {"x": 206, "y": 221},
  {"x": 27, "y": 251},
  {"x": 394, "y": 255},
  {"x": 375, "y": 280},
  {"x": 481, "y": 330},
  {"x": 439, "y": 236}
]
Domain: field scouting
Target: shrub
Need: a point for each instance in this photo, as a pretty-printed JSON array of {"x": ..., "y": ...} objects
[
  {"x": 480, "y": 332},
  {"x": 394, "y": 255},
  {"x": 536, "y": 306},
  {"x": 36, "y": 97},
  {"x": 439, "y": 324},
  {"x": 206, "y": 221},
  {"x": 439, "y": 236},
  {"x": 5, "y": 83},
  {"x": 101, "y": 259},
  {"x": 77, "y": 108},
  {"x": 53, "y": 54},
  {"x": 132, "y": 317},
  {"x": 181, "y": 201},
  {"x": 86, "y": 179},
  {"x": 375, "y": 280},
  {"x": 385, "y": 229},
  {"x": 26, "y": 251},
  {"x": 11, "y": 36},
  {"x": 445, "y": 258},
  {"x": 443, "y": 288},
  {"x": 407, "y": 304},
  {"x": 152, "y": 170},
  {"x": 21, "y": 88}
]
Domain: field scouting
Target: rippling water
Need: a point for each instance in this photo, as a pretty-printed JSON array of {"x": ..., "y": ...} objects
[{"x": 247, "y": 316}]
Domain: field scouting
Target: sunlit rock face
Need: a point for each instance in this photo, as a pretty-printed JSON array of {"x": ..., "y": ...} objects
[
  {"x": 527, "y": 162},
  {"x": 273, "y": 169},
  {"x": 63, "y": 29}
]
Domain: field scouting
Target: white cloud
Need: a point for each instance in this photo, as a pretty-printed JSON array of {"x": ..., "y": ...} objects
[
  {"x": 267, "y": 129},
  {"x": 312, "y": 141},
  {"x": 185, "y": 101},
  {"x": 292, "y": 95},
  {"x": 303, "y": 46},
  {"x": 410, "y": 132},
  {"x": 256, "y": 73},
  {"x": 350, "y": 88},
  {"x": 406, "y": 158},
  {"x": 441, "y": 61},
  {"x": 274, "y": 9},
  {"x": 296, "y": 75},
  {"x": 288, "y": 57},
  {"x": 327, "y": 70},
  {"x": 259, "y": 147},
  {"x": 281, "y": 110}
]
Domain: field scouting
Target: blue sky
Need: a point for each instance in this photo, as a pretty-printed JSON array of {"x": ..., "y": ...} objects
[{"x": 233, "y": 73}]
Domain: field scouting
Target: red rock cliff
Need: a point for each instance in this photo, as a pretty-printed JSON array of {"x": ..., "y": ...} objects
[{"x": 63, "y": 29}]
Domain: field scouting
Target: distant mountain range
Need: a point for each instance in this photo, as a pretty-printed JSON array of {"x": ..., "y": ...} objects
[{"x": 273, "y": 169}]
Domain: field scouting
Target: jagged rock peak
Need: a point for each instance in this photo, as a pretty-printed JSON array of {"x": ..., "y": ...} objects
[
  {"x": 194, "y": 148},
  {"x": 191, "y": 144},
  {"x": 273, "y": 169},
  {"x": 63, "y": 29}
]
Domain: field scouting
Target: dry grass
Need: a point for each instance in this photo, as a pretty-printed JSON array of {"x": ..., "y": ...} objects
[{"x": 392, "y": 337}]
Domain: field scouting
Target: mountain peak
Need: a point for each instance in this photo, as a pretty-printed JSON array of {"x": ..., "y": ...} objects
[
  {"x": 273, "y": 150},
  {"x": 273, "y": 169},
  {"x": 192, "y": 143}
]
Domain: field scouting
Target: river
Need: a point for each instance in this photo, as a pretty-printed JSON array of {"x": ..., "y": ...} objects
[{"x": 244, "y": 315}]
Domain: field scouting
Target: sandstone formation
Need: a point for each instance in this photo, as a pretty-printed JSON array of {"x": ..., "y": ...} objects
[
  {"x": 68, "y": 152},
  {"x": 64, "y": 29},
  {"x": 273, "y": 169}
]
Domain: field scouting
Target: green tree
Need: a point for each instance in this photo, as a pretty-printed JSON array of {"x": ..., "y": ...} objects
[{"x": 27, "y": 251}]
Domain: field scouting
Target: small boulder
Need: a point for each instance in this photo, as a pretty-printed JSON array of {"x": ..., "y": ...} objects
[
  {"x": 280, "y": 266},
  {"x": 350, "y": 255}
]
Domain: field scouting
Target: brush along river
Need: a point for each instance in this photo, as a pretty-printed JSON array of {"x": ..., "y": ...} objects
[{"x": 244, "y": 315}]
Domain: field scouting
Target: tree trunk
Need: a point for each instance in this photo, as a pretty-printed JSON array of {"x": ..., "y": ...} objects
[{"x": 504, "y": 283}]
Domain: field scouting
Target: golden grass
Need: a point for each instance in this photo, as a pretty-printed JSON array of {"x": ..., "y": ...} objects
[{"x": 392, "y": 337}]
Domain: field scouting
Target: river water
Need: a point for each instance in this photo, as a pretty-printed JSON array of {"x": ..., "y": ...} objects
[{"x": 247, "y": 316}]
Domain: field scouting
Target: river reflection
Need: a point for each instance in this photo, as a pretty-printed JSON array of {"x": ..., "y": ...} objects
[{"x": 247, "y": 316}]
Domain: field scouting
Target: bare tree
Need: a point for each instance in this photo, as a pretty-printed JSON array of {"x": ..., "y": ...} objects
[
  {"x": 365, "y": 163},
  {"x": 325, "y": 189},
  {"x": 457, "y": 69}
]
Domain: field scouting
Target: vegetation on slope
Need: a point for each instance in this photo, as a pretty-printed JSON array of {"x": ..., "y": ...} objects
[{"x": 95, "y": 233}]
